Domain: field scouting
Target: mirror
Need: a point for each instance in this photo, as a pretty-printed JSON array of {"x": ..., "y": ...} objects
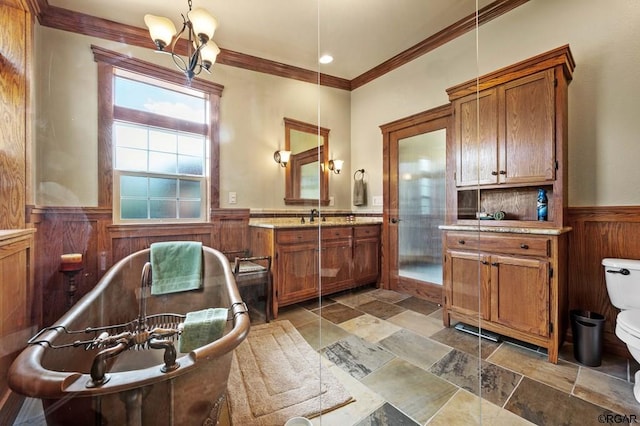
[{"x": 307, "y": 174}]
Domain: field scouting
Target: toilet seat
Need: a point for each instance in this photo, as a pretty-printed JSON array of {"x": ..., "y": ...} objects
[{"x": 628, "y": 326}]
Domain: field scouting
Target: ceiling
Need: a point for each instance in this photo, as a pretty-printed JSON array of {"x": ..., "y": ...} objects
[{"x": 359, "y": 34}]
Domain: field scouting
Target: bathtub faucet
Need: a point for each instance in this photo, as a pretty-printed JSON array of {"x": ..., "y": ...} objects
[
  {"x": 170, "y": 353},
  {"x": 99, "y": 366},
  {"x": 145, "y": 287}
]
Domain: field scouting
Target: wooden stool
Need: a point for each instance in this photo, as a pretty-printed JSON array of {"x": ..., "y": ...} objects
[{"x": 254, "y": 272}]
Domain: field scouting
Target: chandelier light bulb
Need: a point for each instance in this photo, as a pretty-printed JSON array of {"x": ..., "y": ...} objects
[
  {"x": 161, "y": 30},
  {"x": 204, "y": 24}
]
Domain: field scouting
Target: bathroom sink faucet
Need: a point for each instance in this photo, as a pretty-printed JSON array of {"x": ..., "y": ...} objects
[{"x": 314, "y": 213}]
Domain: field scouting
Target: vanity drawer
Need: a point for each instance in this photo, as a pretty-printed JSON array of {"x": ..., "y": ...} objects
[
  {"x": 297, "y": 236},
  {"x": 524, "y": 244},
  {"x": 366, "y": 231},
  {"x": 336, "y": 232}
]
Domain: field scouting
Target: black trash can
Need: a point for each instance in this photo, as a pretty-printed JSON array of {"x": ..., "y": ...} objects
[{"x": 587, "y": 328}]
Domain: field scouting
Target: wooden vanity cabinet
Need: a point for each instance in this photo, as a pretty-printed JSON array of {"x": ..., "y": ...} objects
[
  {"x": 366, "y": 254},
  {"x": 308, "y": 262},
  {"x": 336, "y": 255},
  {"x": 296, "y": 272},
  {"x": 512, "y": 284}
]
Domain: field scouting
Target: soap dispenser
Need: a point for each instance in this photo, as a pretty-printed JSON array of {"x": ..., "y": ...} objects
[{"x": 542, "y": 204}]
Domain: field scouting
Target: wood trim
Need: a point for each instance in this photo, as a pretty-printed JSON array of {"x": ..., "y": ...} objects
[
  {"x": 417, "y": 119},
  {"x": 560, "y": 56},
  {"x": 449, "y": 33},
  {"x": 435, "y": 118},
  {"x": 254, "y": 63},
  {"x": 147, "y": 68},
  {"x": 35, "y": 7},
  {"x": 157, "y": 120},
  {"x": 107, "y": 112},
  {"x": 291, "y": 182},
  {"x": 105, "y": 136},
  {"x": 67, "y": 20}
]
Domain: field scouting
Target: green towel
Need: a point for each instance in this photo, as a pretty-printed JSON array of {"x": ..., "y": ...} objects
[
  {"x": 176, "y": 266},
  {"x": 201, "y": 328}
]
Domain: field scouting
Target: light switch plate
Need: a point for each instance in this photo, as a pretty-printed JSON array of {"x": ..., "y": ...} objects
[
  {"x": 233, "y": 198},
  {"x": 377, "y": 200}
]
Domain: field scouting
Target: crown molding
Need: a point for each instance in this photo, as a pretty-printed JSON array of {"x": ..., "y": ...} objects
[
  {"x": 67, "y": 20},
  {"x": 457, "y": 29}
]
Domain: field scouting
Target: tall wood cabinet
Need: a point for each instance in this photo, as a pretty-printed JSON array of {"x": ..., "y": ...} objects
[{"x": 508, "y": 141}]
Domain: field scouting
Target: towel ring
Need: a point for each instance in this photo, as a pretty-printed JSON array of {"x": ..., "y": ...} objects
[{"x": 355, "y": 175}]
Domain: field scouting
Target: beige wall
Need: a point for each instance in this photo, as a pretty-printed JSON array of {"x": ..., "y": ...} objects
[
  {"x": 603, "y": 136},
  {"x": 604, "y": 128},
  {"x": 251, "y": 129}
]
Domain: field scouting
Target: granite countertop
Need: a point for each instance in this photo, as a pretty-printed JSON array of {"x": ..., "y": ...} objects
[
  {"x": 507, "y": 229},
  {"x": 292, "y": 222}
]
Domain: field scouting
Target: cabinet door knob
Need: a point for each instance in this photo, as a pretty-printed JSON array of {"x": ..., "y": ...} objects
[
  {"x": 484, "y": 262},
  {"x": 503, "y": 172},
  {"x": 494, "y": 173},
  {"x": 460, "y": 241},
  {"x": 524, "y": 246},
  {"x": 394, "y": 220},
  {"x": 494, "y": 264}
]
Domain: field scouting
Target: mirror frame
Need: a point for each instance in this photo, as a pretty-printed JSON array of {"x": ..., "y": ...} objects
[{"x": 291, "y": 186}]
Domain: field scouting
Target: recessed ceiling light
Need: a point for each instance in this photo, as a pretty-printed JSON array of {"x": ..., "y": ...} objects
[{"x": 326, "y": 59}]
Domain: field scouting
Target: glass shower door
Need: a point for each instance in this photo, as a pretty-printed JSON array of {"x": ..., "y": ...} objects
[{"x": 421, "y": 206}]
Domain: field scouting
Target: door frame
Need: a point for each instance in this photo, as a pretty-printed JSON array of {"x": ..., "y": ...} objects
[{"x": 426, "y": 121}]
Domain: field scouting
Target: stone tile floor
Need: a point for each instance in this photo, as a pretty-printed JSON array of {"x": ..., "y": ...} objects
[{"x": 403, "y": 367}]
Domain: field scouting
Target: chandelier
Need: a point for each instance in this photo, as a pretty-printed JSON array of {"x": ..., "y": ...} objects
[{"x": 202, "y": 51}]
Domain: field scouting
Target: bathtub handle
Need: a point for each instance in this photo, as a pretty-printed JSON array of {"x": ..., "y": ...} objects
[
  {"x": 170, "y": 353},
  {"x": 99, "y": 366}
]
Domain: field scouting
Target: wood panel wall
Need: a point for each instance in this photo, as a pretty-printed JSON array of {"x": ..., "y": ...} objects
[
  {"x": 90, "y": 231},
  {"x": 15, "y": 53},
  {"x": 600, "y": 232}
]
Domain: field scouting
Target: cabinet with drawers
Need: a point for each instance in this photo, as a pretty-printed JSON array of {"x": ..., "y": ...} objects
[
  {"x": 512, "y": 284},
  {"x": 310, "y": 261},
  {"x": 508, "y": 143}
]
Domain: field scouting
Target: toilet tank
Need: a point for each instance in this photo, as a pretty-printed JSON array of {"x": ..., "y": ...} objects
[{"x": 623, "y": 282}]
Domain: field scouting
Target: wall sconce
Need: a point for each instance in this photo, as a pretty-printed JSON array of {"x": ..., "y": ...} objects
[
  {"x": 336, "y": 166},
  {"x": 282, "y": 157}
]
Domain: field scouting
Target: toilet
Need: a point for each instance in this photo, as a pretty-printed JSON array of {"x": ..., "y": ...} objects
[{"x": 623, "y": 282}]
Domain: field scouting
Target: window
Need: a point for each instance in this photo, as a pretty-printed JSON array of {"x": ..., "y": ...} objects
[
  {"x": 159, "y": 171},
  {"x": 158, "y": 142}
]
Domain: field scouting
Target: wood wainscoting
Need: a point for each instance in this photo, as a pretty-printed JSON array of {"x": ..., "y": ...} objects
[
  {"x": 600, "y": 232},
  {"x": 90, "y": 231}
]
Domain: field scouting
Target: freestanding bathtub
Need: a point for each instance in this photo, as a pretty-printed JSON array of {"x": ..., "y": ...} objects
[{"x": 137, "y": 388}]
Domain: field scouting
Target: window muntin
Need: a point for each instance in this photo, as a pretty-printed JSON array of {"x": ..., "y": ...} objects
[{"x": 145, "y": 197}]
